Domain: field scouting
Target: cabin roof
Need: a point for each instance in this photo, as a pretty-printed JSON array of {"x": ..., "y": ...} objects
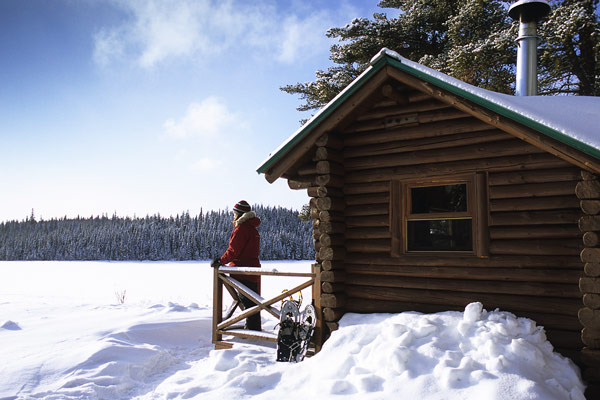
[{"x": 572, "y": 120}]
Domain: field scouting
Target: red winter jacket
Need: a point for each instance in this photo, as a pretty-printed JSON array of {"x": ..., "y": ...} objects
[{"x": 244, "y": 246}]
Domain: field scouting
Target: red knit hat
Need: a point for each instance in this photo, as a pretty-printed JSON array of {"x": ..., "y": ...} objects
[{"x": 241, "y": 207}]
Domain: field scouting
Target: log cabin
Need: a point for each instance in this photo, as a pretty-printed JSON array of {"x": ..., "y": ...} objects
[{"x": 428, "y": 193}]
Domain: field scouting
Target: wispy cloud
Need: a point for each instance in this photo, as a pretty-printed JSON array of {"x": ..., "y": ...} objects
[
  {"x": 208, "y": 119},
  {"x": 154, "y": 31}
]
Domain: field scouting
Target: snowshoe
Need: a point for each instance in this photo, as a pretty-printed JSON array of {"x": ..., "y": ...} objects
[
  {"x": 287, "y": 337},
  {"x": 305, "y": 330}
]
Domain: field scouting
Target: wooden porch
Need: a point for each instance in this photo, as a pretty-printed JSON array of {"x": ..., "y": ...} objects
[{"x": 224, "y": 323}]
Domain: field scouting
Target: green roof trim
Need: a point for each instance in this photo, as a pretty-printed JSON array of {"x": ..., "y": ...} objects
[{"x": 382, "y": 59}]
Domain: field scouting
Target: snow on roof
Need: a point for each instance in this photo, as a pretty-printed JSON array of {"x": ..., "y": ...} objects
[
  {"x": 573, "y": 120},
  {"x": 576, "y": 117}
]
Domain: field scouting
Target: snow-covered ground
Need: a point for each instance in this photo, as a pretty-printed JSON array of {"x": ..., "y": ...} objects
[{"x": 65, "y": 335}]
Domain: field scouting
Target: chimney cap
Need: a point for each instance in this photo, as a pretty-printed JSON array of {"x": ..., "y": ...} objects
[{"x": 529, "y": 10}]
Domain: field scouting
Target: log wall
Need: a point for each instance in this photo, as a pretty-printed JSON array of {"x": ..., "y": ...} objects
[
  {"x": 588, "y": 191},
  {"x": 533, "y": 268}
]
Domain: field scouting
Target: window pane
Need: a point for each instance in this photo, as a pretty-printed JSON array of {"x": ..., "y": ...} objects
[
  {"x": 440, "y": 235},
  {"x": 436, "y": 199}
]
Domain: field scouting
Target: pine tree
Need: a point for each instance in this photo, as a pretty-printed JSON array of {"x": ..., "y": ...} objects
[{"x": 472, "y": 40}]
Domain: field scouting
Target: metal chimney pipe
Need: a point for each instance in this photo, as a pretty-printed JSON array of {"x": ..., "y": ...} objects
[{"x": 528, "y": 13}]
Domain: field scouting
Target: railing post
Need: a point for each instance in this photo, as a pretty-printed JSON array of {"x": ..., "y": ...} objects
[
  {"x": 316, "y": 291},
  {"x": 217, "y": 306}
]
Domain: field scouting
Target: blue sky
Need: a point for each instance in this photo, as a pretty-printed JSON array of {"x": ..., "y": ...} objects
[{"x": 158, "y": 106}]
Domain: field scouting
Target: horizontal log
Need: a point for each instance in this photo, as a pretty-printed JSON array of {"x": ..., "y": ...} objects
[
  {"x": 333, "y": 300},
  {"x": 433, "y": 129},
  {"x": 332, "y": 253},
  {"x": 479, "y": 151},
  {"x": 565, "y": 276},
  {"x": 333, "y": 276},
  {"x": 538, "y": 176},
  {"x": 591, "y": 239},
  {"x": 332, "y": 287},
  {"x": 367, "y": 210},
  {"x": 535, "y": 218},
  {"x": 366, "y": 188},
  {"x": 549, "y": 321},
  {"x": 589, "y": 223},
  {"x": 332, "y": 326},
  {"x": 536, "y": 247},
  {"x": 330, "y": 204},
  {"x": 588, "y": 190},
  {"x": 506, "y": 302},
  {"x": 368, "y": 233},
  {"x": 300, "y": 184},
  {"x": 472, "y": 286},
  {"x": 329, "y": 167},
  {"x": 511, "y": 163},
  {"x": 589, "y": 318},
  {"x": 590, "y": 255},
  {"x": 420, "y": 105},
  {"x": 590, "y": 207},
  {"x": 330, "y": 140},
  {"x": 330, "y": 180},
  {"x": 332, "y": 314},
  {"x": 564, "y": 339},
  {"x": 592, "y": 269},
  {"x": 503, "y": 261},
  {"x": 532, "y": 189},
  {"x": 330, "y": 227},
  {"x": 324, "y": 191},
  {"x": 369, "y": 199},
  {"x": 328, "y": 154},
  {"x": 588, "y": 176},
  {"x": 373, "y": 221},
  {"x": 330, "y": 216},
  {"x": 589, "y": 285},
  {"x": 534, "y": 203},
  {"x": 331, "y": 265},
  {"x": 591, "y": 338},
  {"x": 405, "y": 146},
  {"x": 369, "y": 246},
  {"x": 534, "y": 232},
  {"x": 590, "y": 357},
  {"x": 307, "y": 170},
  {"x": 591, "y": 300},
  {"x": 329, "y": 240}
]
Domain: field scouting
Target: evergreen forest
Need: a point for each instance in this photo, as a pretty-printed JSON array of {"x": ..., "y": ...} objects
[{"x": 284, "y": 236}]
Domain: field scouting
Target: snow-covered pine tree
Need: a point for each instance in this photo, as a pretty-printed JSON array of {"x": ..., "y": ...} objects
[{"x": 472, "y": 40}]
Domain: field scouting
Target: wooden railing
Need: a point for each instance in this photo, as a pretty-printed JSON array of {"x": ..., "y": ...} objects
[{"x": 224, "y": 324}]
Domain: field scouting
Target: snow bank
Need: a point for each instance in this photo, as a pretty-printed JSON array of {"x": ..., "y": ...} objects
[{"x": 147, "y": 350}]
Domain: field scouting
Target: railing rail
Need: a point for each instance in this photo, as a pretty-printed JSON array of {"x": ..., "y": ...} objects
[{"x": 224, "y": 325}]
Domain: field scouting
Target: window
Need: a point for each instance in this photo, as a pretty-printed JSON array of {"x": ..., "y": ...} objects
[{"x": 439, "y": 215}]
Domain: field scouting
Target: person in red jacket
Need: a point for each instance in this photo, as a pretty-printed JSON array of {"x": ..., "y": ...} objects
[{"x": 243, "y": 251}]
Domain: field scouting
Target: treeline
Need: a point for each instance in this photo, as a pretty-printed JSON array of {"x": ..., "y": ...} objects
[{"x": 284, "y": 236}]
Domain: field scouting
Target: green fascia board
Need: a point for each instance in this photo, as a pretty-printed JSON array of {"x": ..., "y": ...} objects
[{"x": 382, "y": 59}]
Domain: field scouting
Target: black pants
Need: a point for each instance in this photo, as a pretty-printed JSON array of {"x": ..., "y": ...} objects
[{"x": 253, "y": 321}]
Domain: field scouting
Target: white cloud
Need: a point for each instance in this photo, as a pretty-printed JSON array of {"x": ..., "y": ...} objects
[
  {"x": 208, "y": 119},
  {"x": 205, "y": 165},
  {"x": 154, "y": 31}
]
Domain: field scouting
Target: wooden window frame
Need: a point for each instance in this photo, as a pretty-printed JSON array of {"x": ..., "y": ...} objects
[{"x": 477, "y": 211}]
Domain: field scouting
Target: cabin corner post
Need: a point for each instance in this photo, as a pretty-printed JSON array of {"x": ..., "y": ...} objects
[
  {"x": 327, "y": 210},
  {"x": 588, "y": 192}
]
